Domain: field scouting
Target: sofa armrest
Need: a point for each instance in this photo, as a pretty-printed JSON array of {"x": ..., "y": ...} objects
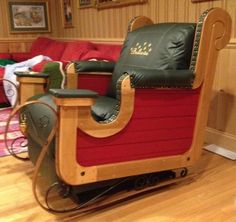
[
  {"x": 94, "y": 66},
  {"x": 152, "y": 78}
]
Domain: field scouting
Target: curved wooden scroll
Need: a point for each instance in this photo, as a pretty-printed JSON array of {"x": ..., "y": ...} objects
[
  {"x": 138, "y": 22},
  {"x": 215, "y": 35},
  {"x": 88, "y": 125},
  {"x": 71, "y": 76}
]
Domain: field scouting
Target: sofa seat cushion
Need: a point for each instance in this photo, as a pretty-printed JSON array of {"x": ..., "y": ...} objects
[
  {"x": 104, "y": 107},
  {"x": 75, "y": 50}
]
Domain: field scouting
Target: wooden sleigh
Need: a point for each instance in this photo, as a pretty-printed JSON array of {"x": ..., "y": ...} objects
[{"x": 134, "y": 125}]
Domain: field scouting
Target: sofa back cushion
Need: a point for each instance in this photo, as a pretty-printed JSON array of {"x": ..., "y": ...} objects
[
  {"x": 76, "y": 50},
  {"x": 48, "y": 47},
  {"x": 109, "y": 52}
]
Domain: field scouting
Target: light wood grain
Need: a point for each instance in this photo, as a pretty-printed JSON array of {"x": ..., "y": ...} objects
[
  {"x": 211, "y": 196},
  {"x": 30, "y": 86}
]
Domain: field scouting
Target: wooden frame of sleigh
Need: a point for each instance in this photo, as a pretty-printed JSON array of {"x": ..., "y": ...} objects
[{"x": 132, "y": 125}]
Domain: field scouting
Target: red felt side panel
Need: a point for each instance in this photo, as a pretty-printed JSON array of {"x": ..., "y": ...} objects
[
  {"x": 98, "y": 83},
  {"x": 162, "y": 125}
]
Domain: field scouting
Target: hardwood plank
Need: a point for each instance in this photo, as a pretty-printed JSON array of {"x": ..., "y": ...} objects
[{"x": 211, "y": 196}]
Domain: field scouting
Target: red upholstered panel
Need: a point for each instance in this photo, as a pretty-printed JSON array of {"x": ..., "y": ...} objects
[
  {"x": 162, "y": 125},
  {"x": 86, "y": 81},
  {"x": 76, "y": 50}
]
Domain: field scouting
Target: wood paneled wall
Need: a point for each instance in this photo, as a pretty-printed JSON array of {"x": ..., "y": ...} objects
[
  {"x": 110, "y": 25},
  {"x": 21, "y": 42}
]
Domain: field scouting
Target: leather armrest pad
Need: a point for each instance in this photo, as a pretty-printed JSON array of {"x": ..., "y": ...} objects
[
  {"x": 151, "y": 78},
  {"x": 73, "y": 93},
  {"x": 94, "y": 66},
  {"x": 31, "y": 74}
]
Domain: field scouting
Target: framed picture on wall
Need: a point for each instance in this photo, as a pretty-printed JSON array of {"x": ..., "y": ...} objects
[
  {"x": 86, "y": 3},
  {"x": 67, "y": 16},
  {"x": 28, "y": 16}
]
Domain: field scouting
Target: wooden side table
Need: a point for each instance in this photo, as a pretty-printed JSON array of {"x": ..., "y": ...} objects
[{"x": 30, "y": 84}]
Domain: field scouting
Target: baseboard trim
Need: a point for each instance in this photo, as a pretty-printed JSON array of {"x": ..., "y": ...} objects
[{"x": 223, "y": 139}]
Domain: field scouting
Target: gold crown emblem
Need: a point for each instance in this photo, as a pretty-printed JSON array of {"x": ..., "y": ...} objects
[{"x": 143, "y": 49}]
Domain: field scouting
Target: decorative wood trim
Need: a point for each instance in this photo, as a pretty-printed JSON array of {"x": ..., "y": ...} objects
[
  {"x": 231, "y": 44},
  {"x": 88, "y": 125},
  {"x": 138, "y": 22},
  {"x": 201, "y": 0},
  {"x": 116, "y": 41},
  {"x": 23, "y": 45},
  {"x": 117, "y": 3},
  {"x": 71, "y": 77},
  {"x": 215, "y": 36},
  {"x": 220, "y": 138}
]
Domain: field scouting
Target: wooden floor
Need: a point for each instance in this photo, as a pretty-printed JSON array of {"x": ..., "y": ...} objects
[{"x": 211, "y": 196}]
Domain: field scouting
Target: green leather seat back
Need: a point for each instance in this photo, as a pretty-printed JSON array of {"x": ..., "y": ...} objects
[{"x": 165, "y": 46}]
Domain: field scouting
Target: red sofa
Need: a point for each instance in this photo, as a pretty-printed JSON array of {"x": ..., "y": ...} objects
[
  {"x": 62, "y": 51},
  {"x": 68, "y": 51}
]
